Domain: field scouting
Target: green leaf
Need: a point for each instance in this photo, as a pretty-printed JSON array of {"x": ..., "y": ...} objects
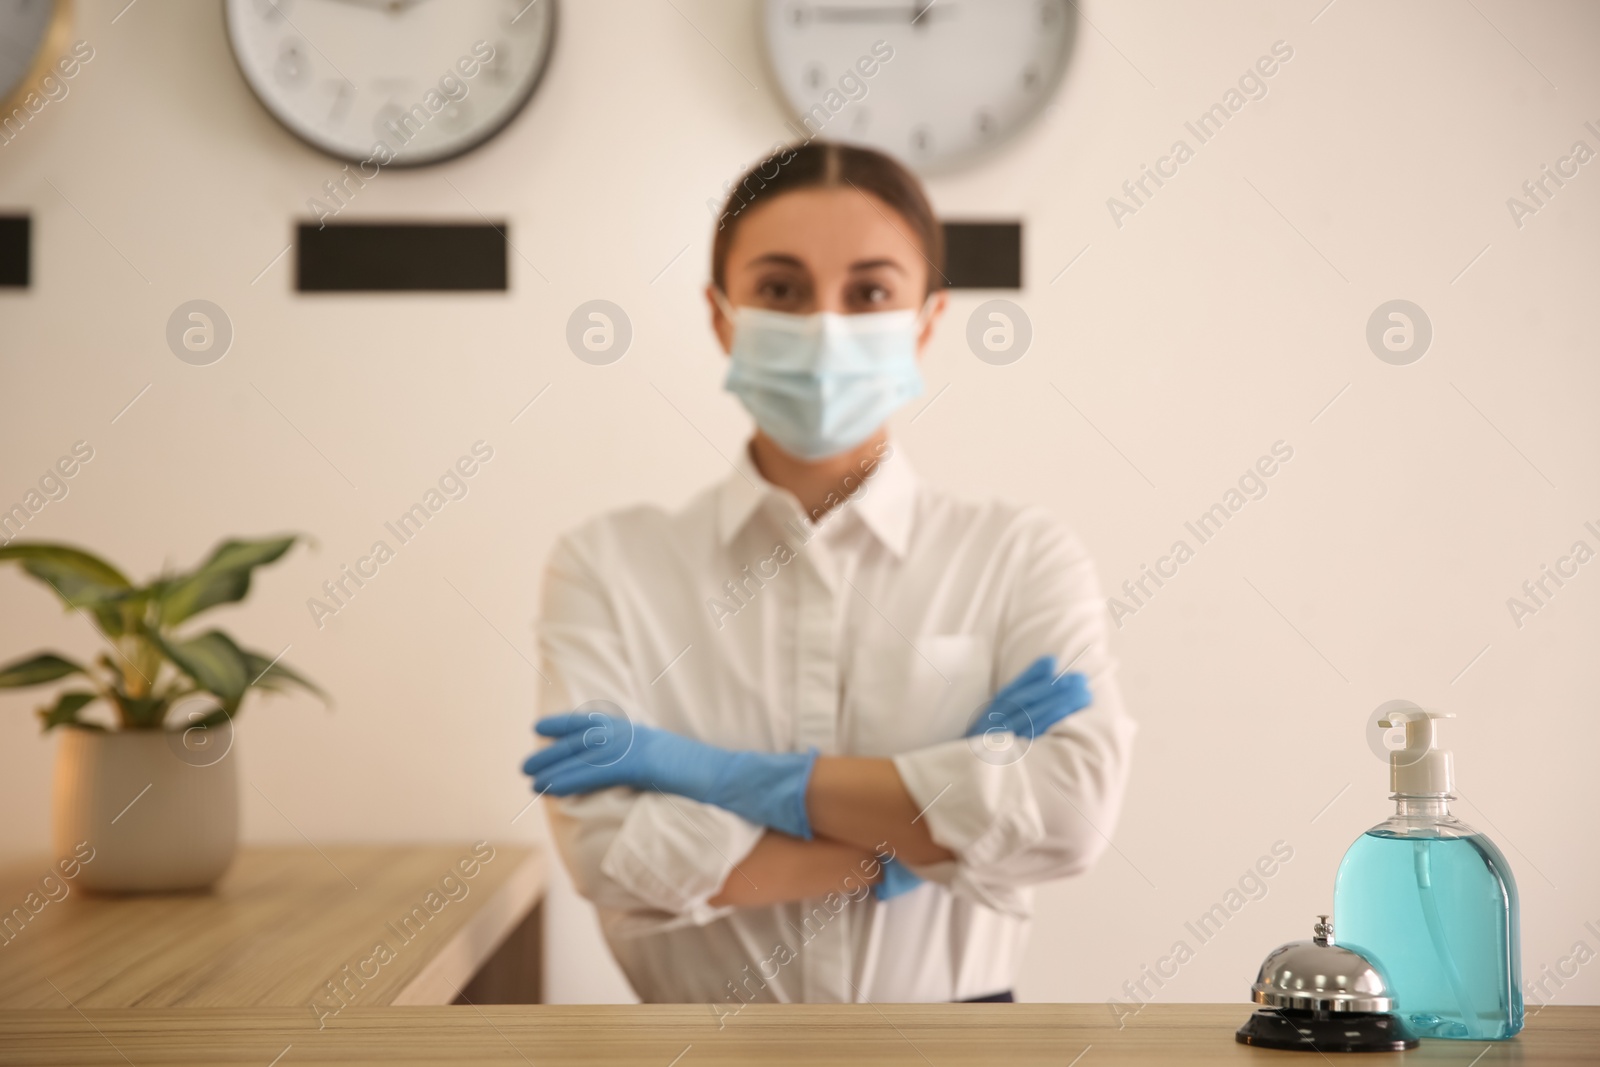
[
  {"x": 140, "y": 713},
  {"x": 65, "y": 710},
  {"x": 275, "y": 677},
  {"x": 120, "y": 612},
  {"x": 36, "y": 670},
  {"x": 79, "y": 579},
  {"x": 224, "y": 578},
  {"x": 216, "y": 664}
]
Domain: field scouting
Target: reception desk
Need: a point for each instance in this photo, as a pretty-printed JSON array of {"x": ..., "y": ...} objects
[
  {"x": 294, "y": 928},
  {"x": 281, "y": 966},
  {"x": 683, "y": 1035}
]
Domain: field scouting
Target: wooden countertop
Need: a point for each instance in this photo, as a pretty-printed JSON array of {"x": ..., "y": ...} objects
[
  {"x": 235, "y": 976},
  {"x": 883, "y": 1035},
  {"x": 281, "y": 924}
]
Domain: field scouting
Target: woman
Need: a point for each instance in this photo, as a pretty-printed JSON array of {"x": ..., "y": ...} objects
[{"x": 815, "y": 734}]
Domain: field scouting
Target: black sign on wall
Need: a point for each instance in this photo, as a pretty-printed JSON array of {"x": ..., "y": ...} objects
[
  {"x": 983, "y": 255},
  {"x": 16, "y": 239},
  {"x": 465, "y": 257},
  {"x": 377, "y": 257}
]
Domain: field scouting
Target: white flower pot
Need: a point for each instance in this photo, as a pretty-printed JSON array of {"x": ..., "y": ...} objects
[{"x": 160, "y": 813}]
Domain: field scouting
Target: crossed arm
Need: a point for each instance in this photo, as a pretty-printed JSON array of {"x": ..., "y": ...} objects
[
  {"x": 827, "y": 816},
  {"x": 856, "y": 806}
]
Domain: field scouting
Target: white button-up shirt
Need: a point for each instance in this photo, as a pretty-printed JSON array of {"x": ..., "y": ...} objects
[{"x": 881, "y": 630}]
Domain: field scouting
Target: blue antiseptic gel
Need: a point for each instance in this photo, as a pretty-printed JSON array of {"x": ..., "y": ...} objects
[{"x": 1432, "y": 901}]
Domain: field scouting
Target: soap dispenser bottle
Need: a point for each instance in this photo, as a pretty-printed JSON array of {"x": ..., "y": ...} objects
[{"x": 1433, "y": 902}]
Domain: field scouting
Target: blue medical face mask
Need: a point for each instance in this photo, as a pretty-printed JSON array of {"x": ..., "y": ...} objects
[{"x": 821, "y": 384}]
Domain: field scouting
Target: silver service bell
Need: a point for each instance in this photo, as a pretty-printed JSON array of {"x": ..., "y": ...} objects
[{"x": 1323, "y": 997}]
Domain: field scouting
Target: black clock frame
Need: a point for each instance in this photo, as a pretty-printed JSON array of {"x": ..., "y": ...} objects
[{"x": 400, "y": 163}]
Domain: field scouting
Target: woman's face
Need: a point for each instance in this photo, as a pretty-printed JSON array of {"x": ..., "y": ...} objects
[{"x": 825, "y": 249}]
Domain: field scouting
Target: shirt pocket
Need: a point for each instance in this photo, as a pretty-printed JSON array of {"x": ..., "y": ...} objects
[{"x": 904, "y": 695}]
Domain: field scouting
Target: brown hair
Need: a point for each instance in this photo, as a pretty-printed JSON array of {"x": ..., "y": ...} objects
[{"x": 825, "y": 164}]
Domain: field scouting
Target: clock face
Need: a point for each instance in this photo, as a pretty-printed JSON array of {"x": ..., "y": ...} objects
[
  {"x": 397, "y": 82},
  {"x": 961, "y": 75},
  {"x": 25, "y": 29}
]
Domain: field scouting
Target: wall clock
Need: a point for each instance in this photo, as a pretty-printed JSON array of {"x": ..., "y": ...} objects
[
  {"x": 964, "y": 75},
  {"x": 397, "y": 82},
  {"x": 32, "y": 34}
]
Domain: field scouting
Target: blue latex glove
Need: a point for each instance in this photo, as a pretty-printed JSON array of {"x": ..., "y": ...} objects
[
  {"x": 1033, "y": 701},
  {"x": 897, "y": 879},
  {"x": 1027, "y": 706},
  {"x": 595, "y": 751}
]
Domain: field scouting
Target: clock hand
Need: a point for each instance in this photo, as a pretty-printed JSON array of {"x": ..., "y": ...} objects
[{"x": 918, "y": 13}]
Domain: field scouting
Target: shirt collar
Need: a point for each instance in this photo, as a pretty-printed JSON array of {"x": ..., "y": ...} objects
[{"x": 886, "y": 504}]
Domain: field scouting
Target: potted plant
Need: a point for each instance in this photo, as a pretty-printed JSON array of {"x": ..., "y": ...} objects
[{"x": 154, "y": 794}]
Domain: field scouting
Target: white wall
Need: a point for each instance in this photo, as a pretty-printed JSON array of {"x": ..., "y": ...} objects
[{"x": 1212, "y": 324}]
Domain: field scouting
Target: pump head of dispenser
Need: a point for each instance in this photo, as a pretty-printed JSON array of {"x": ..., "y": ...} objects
[
  {"x": 1323, "y": 997},
  {"x": 1420, "y": 767}
]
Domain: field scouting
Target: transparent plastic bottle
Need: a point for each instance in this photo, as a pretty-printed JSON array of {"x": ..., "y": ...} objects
[{"x": 1433, "y": 903}]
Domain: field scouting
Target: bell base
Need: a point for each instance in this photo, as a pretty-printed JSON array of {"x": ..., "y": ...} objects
[{"x": 1321, "y": 1031}]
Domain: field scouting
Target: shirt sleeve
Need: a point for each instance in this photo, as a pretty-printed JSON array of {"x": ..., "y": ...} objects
[
  {"x": 1049, "y": 812},
  {"x": 657, "y": 857}
]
